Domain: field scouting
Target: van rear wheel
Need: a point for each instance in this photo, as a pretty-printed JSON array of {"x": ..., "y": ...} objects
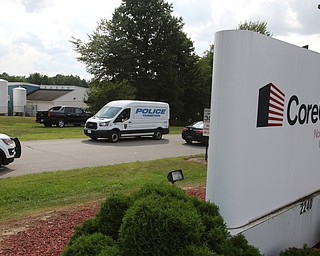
[
  {"x": 114, "y": 136},
  {"x": 157, "y": 135}
]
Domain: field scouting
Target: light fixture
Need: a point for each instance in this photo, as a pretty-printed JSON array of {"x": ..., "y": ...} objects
[{"x": 174, "y": 176}]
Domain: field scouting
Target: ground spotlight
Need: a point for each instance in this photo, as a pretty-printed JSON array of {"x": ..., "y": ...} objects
[{"x": 174, "y": 176}]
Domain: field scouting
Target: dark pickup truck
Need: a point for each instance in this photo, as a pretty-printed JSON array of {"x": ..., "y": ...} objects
[{"x": 62, "y": 115}]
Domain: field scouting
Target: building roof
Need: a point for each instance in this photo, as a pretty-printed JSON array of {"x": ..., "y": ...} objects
[{"x": 47, "y": 95}]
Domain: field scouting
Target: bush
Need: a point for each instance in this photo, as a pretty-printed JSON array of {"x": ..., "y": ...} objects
[
  {"x": 88, "y": 245},
  {"x": 107, "y": 220},
  {"x": 157, "y": 220},
  {"x": 215, "y": 235},
  {"x": 305, "y": 251},
  {"x": 197, "y": 251},
  {"x": 88, "y": 227},
  {"x": 157, "y": 225},
  {"x": 111, "y": 213},
  {"x": 241, "y": 247},
  {"x": 160, "y": 190},
  {"x": 110, "y": 251}
]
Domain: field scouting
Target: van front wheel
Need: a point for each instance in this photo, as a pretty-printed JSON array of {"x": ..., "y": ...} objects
[
  {"x": 157, "y": 135},
  {"x": 114, "y": 136}
]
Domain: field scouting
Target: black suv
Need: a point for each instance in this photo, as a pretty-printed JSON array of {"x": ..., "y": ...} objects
[{"x": 62, "y": 115}]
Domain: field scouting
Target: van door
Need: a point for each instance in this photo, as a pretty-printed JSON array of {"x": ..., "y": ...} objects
[{"x": 123, "y": 121}]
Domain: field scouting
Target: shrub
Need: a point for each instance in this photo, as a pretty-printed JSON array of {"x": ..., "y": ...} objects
[
  {"x": 88, "y": 245},
  {"x": 159, "y": 225},
  {"x": 197, "y": 251},
  {"x": 88, "y": 227},
  {"x": 110, "y": 251},
  {"x": 305, "y": 251},
  {"x": 205, "y": 208},
  {"x": 217, "y": 240},
  {"x": 109, "y": 218},
  {"x": 215, "y": 234},
  {"x": 157, "y": 220},
  {"x": 241, "y": 246},
  {"x": 160, "y": 190}
]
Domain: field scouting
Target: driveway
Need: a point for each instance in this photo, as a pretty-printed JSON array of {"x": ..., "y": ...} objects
[{"x": 66, "y": 154}]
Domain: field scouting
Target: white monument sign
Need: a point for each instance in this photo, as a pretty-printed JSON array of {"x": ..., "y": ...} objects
[{"x": 264, "y": 148}]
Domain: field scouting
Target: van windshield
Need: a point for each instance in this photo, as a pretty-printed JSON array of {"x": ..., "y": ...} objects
[{"x": 108, "y": 112}]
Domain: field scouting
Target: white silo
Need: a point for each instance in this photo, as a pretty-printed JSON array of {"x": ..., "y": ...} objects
[
  {"x": 19, "y": 96},
  {"x": 3, "y": 97}
]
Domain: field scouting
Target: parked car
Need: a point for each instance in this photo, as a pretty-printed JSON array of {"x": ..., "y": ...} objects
[
  {"x": 194, "y": 132},
  {"x": 10, "y": 148},
  {"x": 62, "y": 115}
]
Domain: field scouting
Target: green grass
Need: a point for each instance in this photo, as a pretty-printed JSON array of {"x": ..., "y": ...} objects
[
  {"x": 29, "y": 194},
  {"x": 175, "y": 129},
  {"x": 25, "y": 128}
]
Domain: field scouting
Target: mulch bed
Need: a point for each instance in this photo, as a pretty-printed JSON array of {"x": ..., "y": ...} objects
[{"x": 47, "y": 234}]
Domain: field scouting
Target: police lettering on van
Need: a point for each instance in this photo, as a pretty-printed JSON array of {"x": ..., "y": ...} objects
[{"x": 150, "y": 112}]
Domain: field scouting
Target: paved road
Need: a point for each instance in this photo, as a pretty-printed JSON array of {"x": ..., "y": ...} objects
[{"x": 51, "y": 155}]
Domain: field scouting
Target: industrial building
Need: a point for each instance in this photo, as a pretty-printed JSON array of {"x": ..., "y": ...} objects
[{"x": 19, "y": 98}]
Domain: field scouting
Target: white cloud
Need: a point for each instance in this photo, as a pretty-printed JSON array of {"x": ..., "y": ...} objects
[
  {"x": 36, "y": 6},
  {"x": 35, "y": 34}
]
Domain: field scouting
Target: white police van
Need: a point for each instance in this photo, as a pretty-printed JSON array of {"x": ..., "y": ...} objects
[
  {"x": 10, "y": 148},
  {"x": 123, "y": 118}
]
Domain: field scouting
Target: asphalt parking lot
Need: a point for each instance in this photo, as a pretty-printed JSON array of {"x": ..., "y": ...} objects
[{"x": 66, "y": 154}]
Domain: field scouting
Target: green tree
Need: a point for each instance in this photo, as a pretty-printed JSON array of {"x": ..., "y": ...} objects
[
  {"x": 199, "y": 95},
  {"x": 144, "y": 45},
  {"x": 258, "y": 26},
  {"x": 37, "y": 78},
  {"x": 105, "y": 91},
  {"x": 9, "y": 78},
  {"x": 68, "y": 80}
]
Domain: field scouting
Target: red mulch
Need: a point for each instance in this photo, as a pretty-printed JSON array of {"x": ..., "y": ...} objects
[{"x": 47, "y": 234}]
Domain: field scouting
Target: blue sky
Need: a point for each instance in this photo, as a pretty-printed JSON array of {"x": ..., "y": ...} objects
[{"x": 35, "y": 34}]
